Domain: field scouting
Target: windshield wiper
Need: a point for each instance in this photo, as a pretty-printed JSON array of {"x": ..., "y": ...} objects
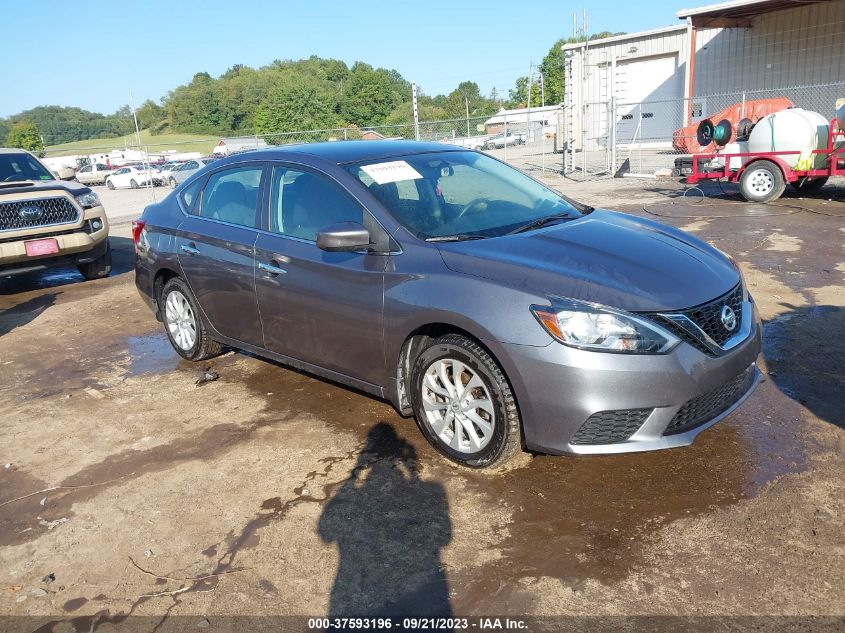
[
  {"x": 461, "y": 237},
  {"x": 536, "y": 224}
]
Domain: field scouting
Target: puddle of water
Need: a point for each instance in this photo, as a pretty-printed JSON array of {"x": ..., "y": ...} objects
[{"x": 151, "y": 354}]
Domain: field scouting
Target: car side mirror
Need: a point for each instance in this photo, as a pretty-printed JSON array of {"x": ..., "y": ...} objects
[{"x": 343, "y": 236}]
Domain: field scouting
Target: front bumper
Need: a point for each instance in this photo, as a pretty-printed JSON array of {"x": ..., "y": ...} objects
[
  {"x": 559, "y": 388},
  {"x": 78, "y": 243}
]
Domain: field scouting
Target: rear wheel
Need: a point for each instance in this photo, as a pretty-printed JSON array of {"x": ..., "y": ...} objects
[
  {"x": 99, "y": 268},
  {"x": 182, "y": 322},
  {"x": 463, "y": 403},
  {"x": 762, "y": 181},
  {"x": 809, "y": 185},
  {"x": 110, "y": 184},
  {"x": 172, "y": 182},
  {"x": 133, "y": 184}
]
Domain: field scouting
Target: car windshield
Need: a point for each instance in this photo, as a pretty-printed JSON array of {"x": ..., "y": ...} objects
[
  {"x": 438, "y": 195},
  {"x": 20, "y": 167}
]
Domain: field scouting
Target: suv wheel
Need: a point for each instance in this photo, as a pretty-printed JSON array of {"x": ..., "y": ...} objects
[
  {"x": 182, "y": 322},
  {"x": 99, "y": 268},
  {"x": 463, "y": 403}
]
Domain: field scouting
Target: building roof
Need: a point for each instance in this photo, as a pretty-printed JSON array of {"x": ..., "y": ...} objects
[
  {"x": 243, "y": 141},
  {"x": 737, "y": 13},
  {"x": 625, "y": 37},
  {"x": 521, "y": 115}
]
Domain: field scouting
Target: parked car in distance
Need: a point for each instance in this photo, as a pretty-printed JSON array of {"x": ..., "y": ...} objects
[
  {"x": 165, "y": 170},
  {"x": 497, "y": 312},
  {"x": 498, "y": 141},
  {"x": 94, "y": 174},
  {"x": 46, "y": 223},
  {"x": 131, "y": 176},
  {"x": 187, "y": 170}
]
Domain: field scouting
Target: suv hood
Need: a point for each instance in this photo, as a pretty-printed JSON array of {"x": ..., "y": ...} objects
[
  {"x": 71, "y": 186},
  {"x": 605, "y": 257}
]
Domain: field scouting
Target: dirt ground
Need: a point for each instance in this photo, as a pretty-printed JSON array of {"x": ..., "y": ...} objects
[{"x": 127, "y": 489}]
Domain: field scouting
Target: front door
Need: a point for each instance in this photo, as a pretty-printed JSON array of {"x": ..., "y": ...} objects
[
  {"x": 216, "y": 250},
  {"x": 323, "y": 308}
]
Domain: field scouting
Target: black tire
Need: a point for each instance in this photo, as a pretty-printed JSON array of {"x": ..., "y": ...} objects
[
  {"x": 204, "y": 346},
  {"x": 99, "y": 268},
  {"x": 172, "y": 182},
  {"x": 110, "y": 184},
  {"x": 758, "y": 172},
  {"x": 133, "y": 184},
  {"x": 507, "y": 436},
  {"x": 809, "y": 185}
]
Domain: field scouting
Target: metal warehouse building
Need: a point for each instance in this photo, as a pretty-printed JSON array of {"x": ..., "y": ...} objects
[{"x": 628, "y": 93}]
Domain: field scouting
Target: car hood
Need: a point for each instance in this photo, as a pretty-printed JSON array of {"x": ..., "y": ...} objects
[
  {"x": 604, "y": 257},
  {"x": 71, "y": 186}
]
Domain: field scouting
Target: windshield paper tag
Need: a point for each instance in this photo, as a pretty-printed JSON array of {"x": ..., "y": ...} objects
[{"x": 394, "y": 171}]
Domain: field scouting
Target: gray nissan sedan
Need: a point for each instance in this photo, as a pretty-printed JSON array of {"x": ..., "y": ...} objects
[{"x": 500, "y": 314}]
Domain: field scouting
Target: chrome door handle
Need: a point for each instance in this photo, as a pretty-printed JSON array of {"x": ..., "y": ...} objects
[
  {"x": 190, "y": 250},
  {"x": 269, "y": 268}
]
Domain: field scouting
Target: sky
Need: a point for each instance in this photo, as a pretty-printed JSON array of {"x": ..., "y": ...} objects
[{"x": 94, "y": 54}]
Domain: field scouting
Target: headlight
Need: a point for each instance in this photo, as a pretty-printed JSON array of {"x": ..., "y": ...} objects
[
  {"x": 598, "y": 328},
  {"x": 88, "y": 200}
]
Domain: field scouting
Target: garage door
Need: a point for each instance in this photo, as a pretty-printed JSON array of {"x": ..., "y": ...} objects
[{"x": 648, "y": 94}]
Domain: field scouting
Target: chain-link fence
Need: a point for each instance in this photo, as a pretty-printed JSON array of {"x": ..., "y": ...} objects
[
  {"x": 607, "y": 138},
  {"x": 526, "y": 143}
]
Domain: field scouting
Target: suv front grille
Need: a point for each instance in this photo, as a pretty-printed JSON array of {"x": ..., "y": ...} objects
[
  {"x": 25, "y": 214},
  {"x": 610, "y": 427},
  {"x": 709, "y": 405},
  {"x": 708, "y": 317}
]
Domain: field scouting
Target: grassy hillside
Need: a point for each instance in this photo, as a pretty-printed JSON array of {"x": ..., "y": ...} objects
[{"x": 157, "y": 143}]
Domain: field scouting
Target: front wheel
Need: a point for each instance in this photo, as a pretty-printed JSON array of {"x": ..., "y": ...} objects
[
  {"x": 172, "y": 182},
  {"x": 185, "y": 329},
  {"x": 762, "y": 181},
  {"x": 464, "y": 404},
  {"x": 110, "y": 184},
  {"x": 133, "y": 184},
  {"x": 99, "y": 268}
]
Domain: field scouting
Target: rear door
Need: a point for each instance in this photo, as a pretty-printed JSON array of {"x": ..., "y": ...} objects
[
  {"x": 323, "y": 308},
  {"x": 215, "y": 246}
]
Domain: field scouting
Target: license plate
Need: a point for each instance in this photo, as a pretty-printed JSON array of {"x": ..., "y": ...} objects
[{"x": 48, "y": 246}]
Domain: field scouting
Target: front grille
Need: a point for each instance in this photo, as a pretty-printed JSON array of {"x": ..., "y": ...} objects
[
  {"x": 25, "y": 214},
  {"x": 708, "y": 317},
  {"x": 610, "y": 427},
  {"x": 706, "y": 407}
]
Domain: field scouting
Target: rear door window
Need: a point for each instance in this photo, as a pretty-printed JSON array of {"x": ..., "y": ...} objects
[{"x": 231, "y": 195}]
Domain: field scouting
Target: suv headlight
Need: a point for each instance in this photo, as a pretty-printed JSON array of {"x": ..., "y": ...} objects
[
  {"x": 598, "y": 328},
  {"x": 88, "y": 200}
]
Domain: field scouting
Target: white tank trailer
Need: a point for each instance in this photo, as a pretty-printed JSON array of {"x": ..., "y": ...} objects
[{"x": 790, "y": 130}]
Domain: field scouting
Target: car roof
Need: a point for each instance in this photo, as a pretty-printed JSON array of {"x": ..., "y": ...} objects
[{"x": 341, "y": 152}]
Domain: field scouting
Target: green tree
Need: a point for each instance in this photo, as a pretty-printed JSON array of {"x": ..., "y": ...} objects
[
  {"x": 150, "y": 116},
  {"x": 25, "y": 135},
  {"x": 370, "y": 96},
  {"x": 293, "y": 109}
]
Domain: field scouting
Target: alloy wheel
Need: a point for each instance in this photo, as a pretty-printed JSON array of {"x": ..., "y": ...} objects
[
  {"x": 180, "y": 320},
  {"x": 458, "y": 406}
]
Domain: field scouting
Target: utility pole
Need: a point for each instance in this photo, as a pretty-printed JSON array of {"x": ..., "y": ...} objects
[
  {"x": 135, "y": 117},
  {"x": 466, "y": 103},
  {"x": 416, "y": 113}
]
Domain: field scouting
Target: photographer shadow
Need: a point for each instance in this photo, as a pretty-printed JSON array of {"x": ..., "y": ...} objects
[{"x": 389, "y": 526}]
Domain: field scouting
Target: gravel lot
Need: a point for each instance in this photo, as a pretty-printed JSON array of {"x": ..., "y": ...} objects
[{"x": 271, "y": 492}]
